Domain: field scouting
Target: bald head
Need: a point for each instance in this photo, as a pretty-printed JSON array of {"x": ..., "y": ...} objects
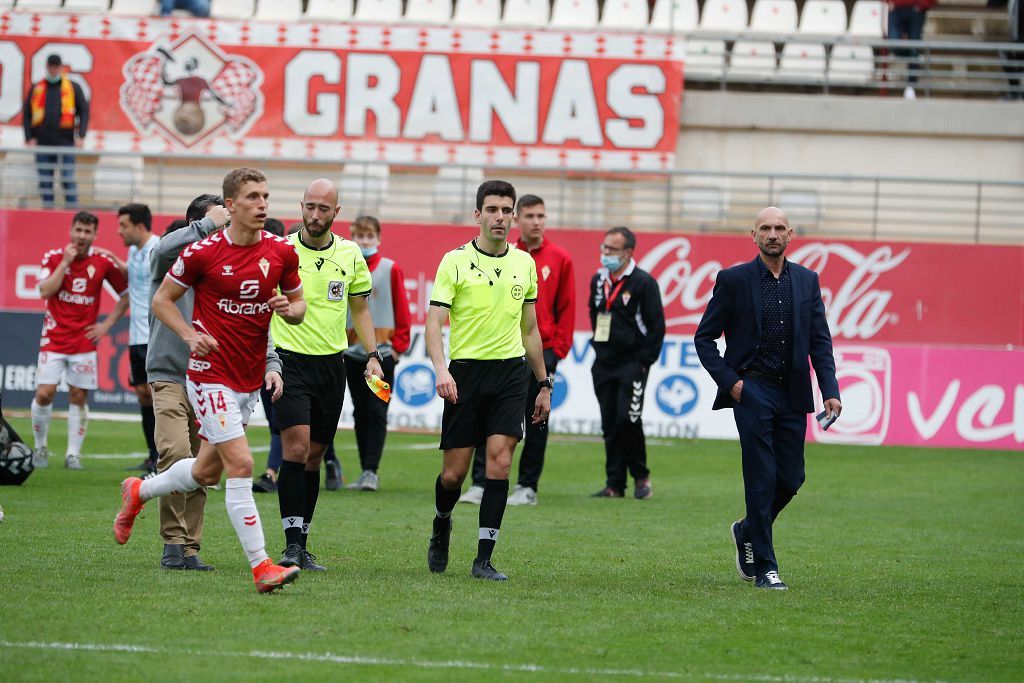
[
  {"x": 771, "y": 232},
  {"x": 771, "y": 214},
  {"x": 319, "y": 207}
]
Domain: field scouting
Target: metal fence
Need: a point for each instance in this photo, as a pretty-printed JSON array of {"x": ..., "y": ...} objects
[{"x": 849, "y": 206}]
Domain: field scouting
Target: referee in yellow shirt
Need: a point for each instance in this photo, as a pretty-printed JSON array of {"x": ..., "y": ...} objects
[
  {"x": 487, "y": 289},
  {"x": 334, "y": 276}
]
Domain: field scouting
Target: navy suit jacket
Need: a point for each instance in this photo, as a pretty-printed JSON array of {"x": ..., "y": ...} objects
[{"x": 735, "y": 309}]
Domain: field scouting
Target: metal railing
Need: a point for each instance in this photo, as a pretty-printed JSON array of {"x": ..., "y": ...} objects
[{"x": 849, "y": 206}]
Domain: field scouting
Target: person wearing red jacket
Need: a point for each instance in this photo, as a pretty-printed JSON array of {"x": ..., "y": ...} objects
[
  {"x": 556, "y": 317},
  {"x": 389, "y": 307},
  {"x": 906, "y": 22}
]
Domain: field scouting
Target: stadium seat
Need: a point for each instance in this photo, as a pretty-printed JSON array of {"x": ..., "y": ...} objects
[
  {"x": 680, "y": 16},
  {"x": 851, "y": 64},
  {"x": 526, "y": 13},
  {"x": 573, "y": 14},
  {"x": 364, "y": 186},
  {"x": 278, "y": 10},
  {"x": 18, "y": 177},
  {"x": 624, "y": 14},
  {"x": 705, "y": 58},
  {"x": 134, "y": 8},
  {"x": 38, "y": 4},
  {"x": 704, "y": 207},
  {"x": 804, "y": 61},
  {"x": 773, "y": 16},
  {"x": 331, "y": 10},
  {"x": 477, "y": 13},
  {"x": 452, "y": 186},
  {"x": 724, "y": 16},
  {"x": 232, "y": 9},
  {"x": 823, "y": 18},
  {"x": 802, "y": 207},
  {"x": 384, "y": 11},
  {"x": 428, "y": 11},
  {"x": 89, "y": 5},
  {"x": 866, "y": 19},
  {"x": 752, "y": 59},
  {"x": 116, "y": 180}
]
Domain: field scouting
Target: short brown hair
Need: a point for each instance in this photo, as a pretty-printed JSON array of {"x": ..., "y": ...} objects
[
  {"x": 366, "y": 223},
  {"x": 234, "y": 180}
]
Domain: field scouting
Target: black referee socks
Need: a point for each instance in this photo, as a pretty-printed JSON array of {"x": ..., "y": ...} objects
[
  {"x": 492, "y": 509},
  {"x": 291, "y": 496},
  {"x": 312, "y": 493},
  {"x": 444, "y": 500}
]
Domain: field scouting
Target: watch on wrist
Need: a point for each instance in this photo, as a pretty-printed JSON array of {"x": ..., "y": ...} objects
[
  {"x": 376, "y": 354},
  {"x": 547, "y": 382}
]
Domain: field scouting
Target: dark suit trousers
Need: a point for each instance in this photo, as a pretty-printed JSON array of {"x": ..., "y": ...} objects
[
  {"x": 369, "y": 413},
  {"x": 772, "y": 440},
  {"x": 620, "y": 395},
  {"x": 535, "y": 443}
]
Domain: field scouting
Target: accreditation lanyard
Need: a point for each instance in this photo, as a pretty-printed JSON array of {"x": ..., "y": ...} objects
[
  {"x": 611, "y": 294},
  {"x": 603, "y": 326}
]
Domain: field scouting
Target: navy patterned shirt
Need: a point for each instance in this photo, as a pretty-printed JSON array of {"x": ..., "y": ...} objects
[{"x": 775, "y": 350}]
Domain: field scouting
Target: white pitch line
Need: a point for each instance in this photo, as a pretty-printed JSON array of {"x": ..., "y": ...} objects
[{"x": 359, "y": 660}]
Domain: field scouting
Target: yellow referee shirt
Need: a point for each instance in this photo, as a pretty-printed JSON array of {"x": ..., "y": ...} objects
[
  {"x": 329, "y": 277},
  {"x": 485, "y": 295}
]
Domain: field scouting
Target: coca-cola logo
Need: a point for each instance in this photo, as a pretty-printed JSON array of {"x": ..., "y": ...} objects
[{"x": 857, "y": 307}]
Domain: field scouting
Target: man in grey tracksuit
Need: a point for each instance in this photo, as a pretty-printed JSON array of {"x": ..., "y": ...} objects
[{"x": 181, "y": 515}]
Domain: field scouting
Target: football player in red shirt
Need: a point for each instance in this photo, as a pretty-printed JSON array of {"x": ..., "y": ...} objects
[
  {"x": 72, "y": 283},
  {"x": 236, "y": 274}
]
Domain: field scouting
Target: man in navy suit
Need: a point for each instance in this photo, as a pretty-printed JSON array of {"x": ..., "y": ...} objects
[{"x": 771, "y": 312}]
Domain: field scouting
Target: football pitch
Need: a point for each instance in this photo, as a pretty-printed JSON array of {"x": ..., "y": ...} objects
[{"x": 903, "y": 564}]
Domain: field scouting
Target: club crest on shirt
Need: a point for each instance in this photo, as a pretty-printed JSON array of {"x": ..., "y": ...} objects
[
  {"x": 91, "y": 270},
  {"x": 264, "y": 266},
  {"x": 179, "y": 267},
  {"x": 544, "y": 272},
  {"x": 625, "y": 298},
  {"x": 335, "y": 290}
]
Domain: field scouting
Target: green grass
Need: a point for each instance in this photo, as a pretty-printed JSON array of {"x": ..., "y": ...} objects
[{"x": 902, "y": 563}]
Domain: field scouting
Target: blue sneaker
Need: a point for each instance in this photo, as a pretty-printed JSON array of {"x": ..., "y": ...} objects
[
  {"x": 770, "y": 581},
  {"x": 744, "y": 552}
]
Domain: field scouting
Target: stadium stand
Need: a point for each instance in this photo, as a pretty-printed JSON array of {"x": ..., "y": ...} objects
[
  {"x": 364, "y": 186},
  {"x": 823, "y": 18},
  {"x": 278, "y": 10},
  {"x": 477, "y": 13},
  {"x": 866, "y": 19},
  {"x": 428, "y": 11},
  {"x": 526, "y": 13},
  {"x": 87, "y": 5},
  {"x": 624, "y": 14},
  {"x": 38, "y": 4},
  {"x": 752, "y": 59},
  {"x": 378, "y": 10},
  {"x": 724, "y": 16},
  {"x": 579, "y": 14},
  {"x": 134, "y": 8},
  {"x": 773, "y": 16},
  {"x": 232, "y": 9},
  {"x": 681, "y": 16},
  {"x": 802, "y": 61},
  {"x": 332, "y": 10}
]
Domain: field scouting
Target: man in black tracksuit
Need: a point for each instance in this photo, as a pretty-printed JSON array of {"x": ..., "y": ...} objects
[{"x": 629, "y": 327}]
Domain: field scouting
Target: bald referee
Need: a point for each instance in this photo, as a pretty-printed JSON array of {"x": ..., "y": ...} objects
[{"x": 487, "y": 289}]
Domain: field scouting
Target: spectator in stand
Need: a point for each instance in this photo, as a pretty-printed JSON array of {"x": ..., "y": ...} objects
[
  {"x": 198, "y": 8},
  {"x": 906, "y": 22},
  {"x": 56, "y": 114}
]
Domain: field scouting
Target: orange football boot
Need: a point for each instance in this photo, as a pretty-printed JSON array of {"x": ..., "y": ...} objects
[
  {"x": 268, "y": 576},
  {"x": 130, "y": 509}
]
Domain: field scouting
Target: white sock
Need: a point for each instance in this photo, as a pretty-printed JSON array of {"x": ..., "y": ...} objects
[
  {"x": 41, "y": 422},
  {"x": 175, "y": 479},
  {"x": 245, "y": 518},
  {"x": 78, "y": 419}
]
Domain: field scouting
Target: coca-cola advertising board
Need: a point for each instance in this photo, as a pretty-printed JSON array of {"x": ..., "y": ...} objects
[
  {"x": 927, "y": 336},
  {"x": 356, "y": 92}
]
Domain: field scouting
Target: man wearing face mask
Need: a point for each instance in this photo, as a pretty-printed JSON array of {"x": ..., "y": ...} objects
[
  {"x": 56, "y": 114},
  {"x": 629, "y": 326},
  {"x": 389, "y": 308}
]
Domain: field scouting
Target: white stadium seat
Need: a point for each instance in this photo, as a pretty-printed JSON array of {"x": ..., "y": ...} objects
[
  {"x": 773, "y": 16},
  {"x": 752, "y": 59},
  {"x": 331, "y": 10},
  {"x": 232, "y": 9},
  {"x": 477, "y": 13},
  {"x": 452, "y": 186},
  {"x": 805, "y": 61},
  {"x": 133, "y": 8},
  {"x": 624, "y": 14},
  {"x": 680, "y": 16},
  {"x": 38, "y": 4},
  {"x": 573, "y": 14},
  {"x": 705, "y": 58},
  {"x": 851, "y": 64},
  {"x": 278, "y": 10},
  {"x": 526, "y": 13},
  {"x": 88, "y": 5},
  {"x": 724, "y": 16},
  {"x": 823, "y": 18},
  {"x": 364, "y": 186},
  {"x": 866, "y": 19},
  {"x": 428, "y": 11},
  {"x": 382, "y": 11}
]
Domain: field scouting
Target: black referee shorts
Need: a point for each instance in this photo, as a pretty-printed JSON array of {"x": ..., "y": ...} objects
[
  {"x": 492, "y": 394},
  {"x": 137, "y": 365},
  {"x": 314, "y": 391}
]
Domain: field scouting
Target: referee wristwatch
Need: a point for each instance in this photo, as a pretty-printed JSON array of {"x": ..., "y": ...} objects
[
  {"x": 546, "y": 383},
  {"x": 376, "y": 354}
]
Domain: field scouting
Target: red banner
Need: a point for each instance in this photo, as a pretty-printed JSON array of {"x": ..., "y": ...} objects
[
  {"x": 904, "y": 292},
  {"x": 396, "y": 94}
]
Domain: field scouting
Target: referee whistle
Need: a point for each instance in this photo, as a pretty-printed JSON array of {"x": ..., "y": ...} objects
[{"x": 379, "y": 387}]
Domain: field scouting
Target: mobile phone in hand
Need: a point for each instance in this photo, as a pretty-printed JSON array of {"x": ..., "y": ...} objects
[{"x": 826, "y": 422}]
